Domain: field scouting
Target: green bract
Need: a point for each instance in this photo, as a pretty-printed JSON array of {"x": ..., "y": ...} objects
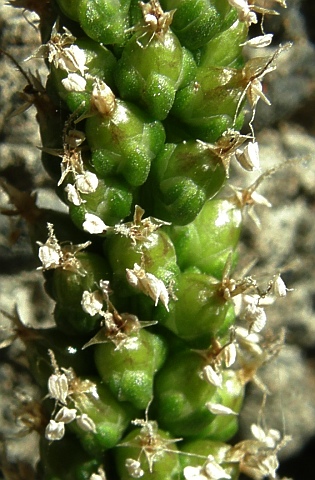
[
  {"x": 124, "y": 142},
  {"x": 152, "y": 69}
]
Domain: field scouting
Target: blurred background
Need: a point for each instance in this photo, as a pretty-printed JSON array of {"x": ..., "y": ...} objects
[{"x": 285, "y": 243}]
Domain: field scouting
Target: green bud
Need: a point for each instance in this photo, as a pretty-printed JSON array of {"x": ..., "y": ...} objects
[
  {"x": 195, "y": 22},
  {"x": 105, "y": 21},
  {"x": 187, "y": 175},
  {"x": 126, "y": 369},
  {"x": 211, "y": 104},
  {"x": 200, "y": 312},
  {"x": 111, "y": 203},
  {"x": 124, "y": 142},
  {"x": 224, "y": 50},
  {"x": 181, "y": 396},
  {"x": 110, "y": 418},
  {"x": 151, "y": 70},
  {"x": 195, "y": 405},
  {"x": 231, "y": 395},
  {"x": 156, "y": 255},
  {"x": 208, "y": 241}
]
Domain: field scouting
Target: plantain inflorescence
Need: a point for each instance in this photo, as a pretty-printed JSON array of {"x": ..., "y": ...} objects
[{"x": 142, "y": 118}]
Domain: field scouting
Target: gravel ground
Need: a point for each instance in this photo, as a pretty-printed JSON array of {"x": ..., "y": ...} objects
[{"x": 285, "y": 243}]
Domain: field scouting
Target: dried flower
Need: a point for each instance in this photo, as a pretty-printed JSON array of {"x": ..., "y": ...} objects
[
  {"x": 211, "y": 376},
  {"x": 92, "y": 302},
  {"x": 259, "y": 42},
  {"x": 103, "y": 99},
  {"x": 148, "y": 284},
  {"x": 255, "y": 316},
  {"x": 211, "y": 470},
  {"x": 53, "y": 255},
  {"x": 218, "y": 409},
  {"x": 245, "y": 13},
  {"x": 134, "y": 468}
]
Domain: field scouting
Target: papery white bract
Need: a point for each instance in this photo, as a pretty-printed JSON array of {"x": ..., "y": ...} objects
[
  {"x": 66, "y": 415},
  {"x": 218, "y": 409},
  {"x": 211, "y": 376},
  {"x": 270, "y": 438},
  {"x": 86, "y": 182},
  {"x": 74, "y": 83},
  {"x": 248, "y": 158},
  {"x": 279, "y": 288},
  {"x": 261, "y": 41},
  {"x": 85, "y": 423},
  {"x": 58, "y": 387},
  {"x": 54, "y": 430},
  {"x": 194, "y": 473},
  {"x": 93, "y": 224}
]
